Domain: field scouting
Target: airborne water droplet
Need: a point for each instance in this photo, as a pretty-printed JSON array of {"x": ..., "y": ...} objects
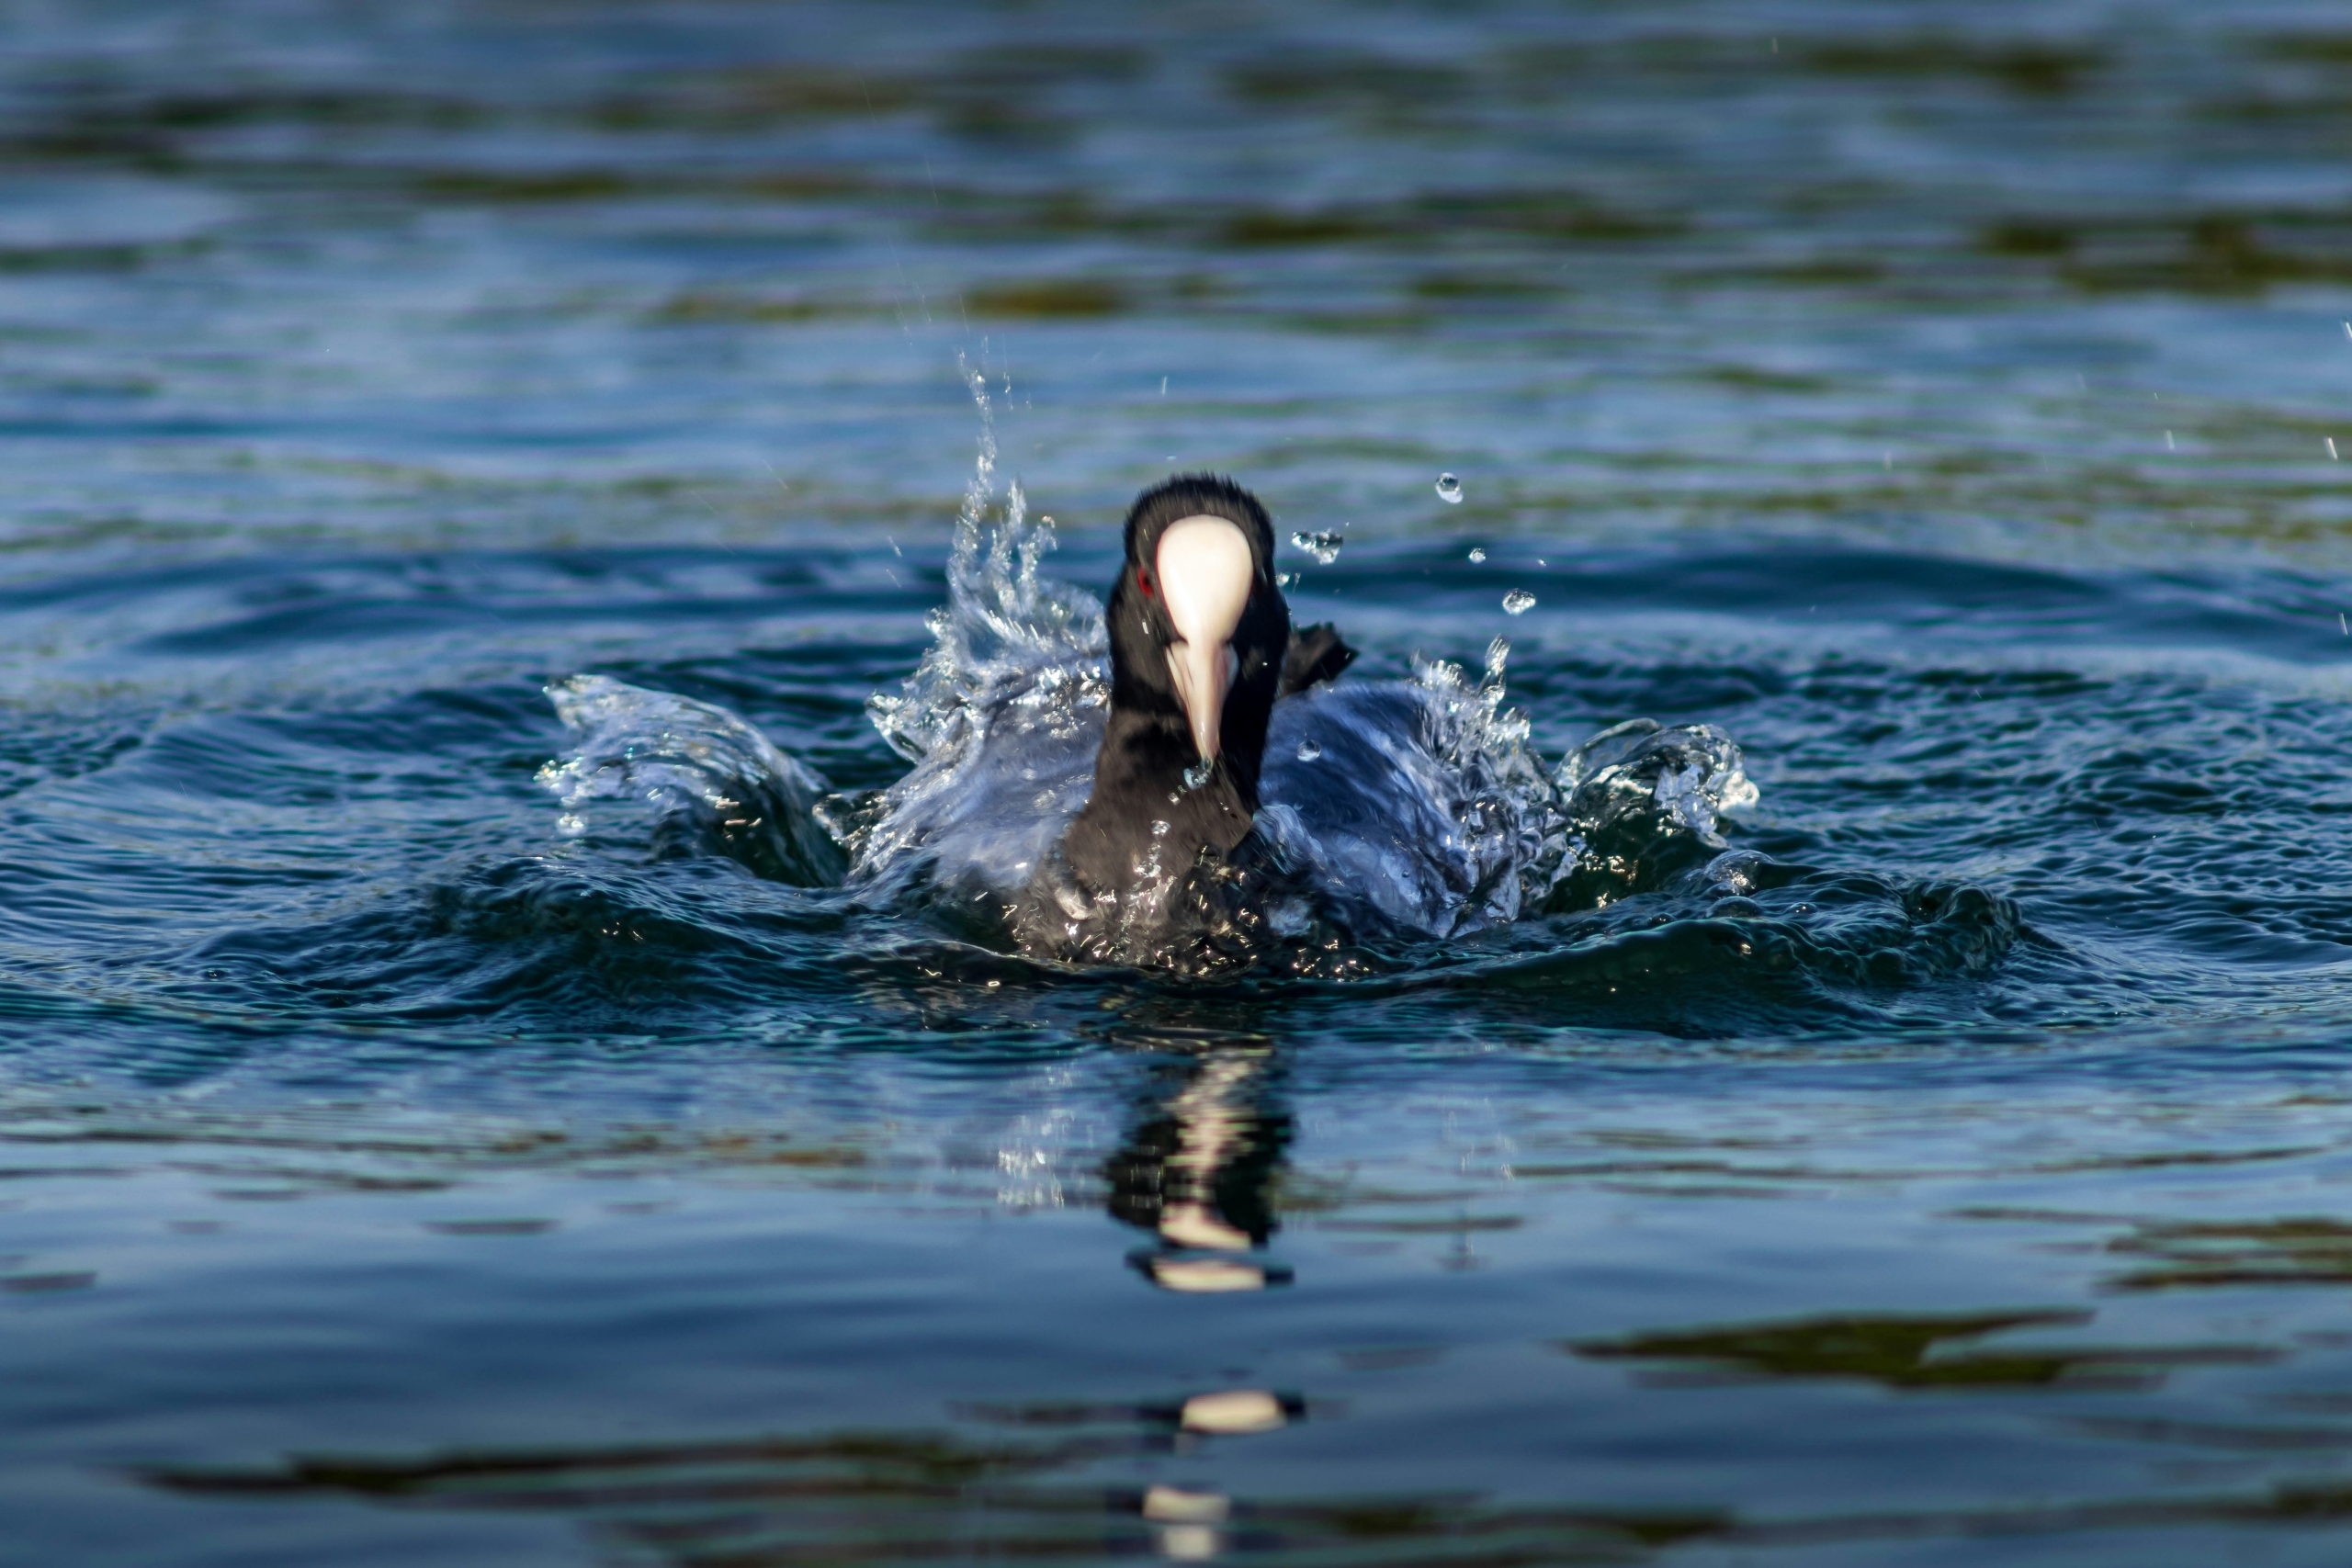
[
  {"x": 1518, "y": 602},
  {"x": 1198, "y": 774},
  {"x": 1308, "y": 751},
  {"x": 1448, "y": 490},
  {"x": 1323, "y": 547},
  {"x": 1476, "y": 556}
]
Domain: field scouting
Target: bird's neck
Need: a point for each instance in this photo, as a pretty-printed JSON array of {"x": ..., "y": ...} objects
[{"x": 1148, "y": 759}]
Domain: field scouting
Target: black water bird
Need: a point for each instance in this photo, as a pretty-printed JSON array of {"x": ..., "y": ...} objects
[{"x": 1201, "y": 649}]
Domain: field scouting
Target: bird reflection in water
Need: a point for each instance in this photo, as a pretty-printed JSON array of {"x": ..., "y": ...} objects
[{"x": 1196, "y": 1171}]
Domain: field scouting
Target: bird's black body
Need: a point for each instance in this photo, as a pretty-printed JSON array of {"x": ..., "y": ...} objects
[{"x": 1158, "y": 815}]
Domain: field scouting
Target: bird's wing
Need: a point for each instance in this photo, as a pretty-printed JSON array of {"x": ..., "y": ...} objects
[{"x": 1316, "y": 653}]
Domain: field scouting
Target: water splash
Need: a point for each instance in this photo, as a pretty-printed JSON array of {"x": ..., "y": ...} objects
[
  {"x": 1436, "y": 817},
  {"x": 1476, "y": 555},
  {"x": 714, "y": 784},
  {"x": 1415, "y": 810},
  {"x": 1323, "y": 547},
  {"x": 1646, "y": 802},
  {"x": 1017, "y": 656},
  {"x": 1708, "y": 775},
  {"x": 1003, "y": 620},
  {"x": 1448, "y": 490},
  {"x": 1518, "y": 602},
  {"x": 1513, "y": 831}
]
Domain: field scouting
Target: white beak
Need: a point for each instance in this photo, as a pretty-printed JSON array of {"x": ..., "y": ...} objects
[{"x": 1205, "y": 574}]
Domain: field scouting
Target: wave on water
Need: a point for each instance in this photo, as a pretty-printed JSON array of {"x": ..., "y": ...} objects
[{"x": 715, "y": 784}]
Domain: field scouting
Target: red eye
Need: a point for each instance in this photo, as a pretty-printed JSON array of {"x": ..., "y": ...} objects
[{"x": 1143, "y": 580}]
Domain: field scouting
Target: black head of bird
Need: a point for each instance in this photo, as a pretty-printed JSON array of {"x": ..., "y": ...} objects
[{"x": 1198, "y": 630}]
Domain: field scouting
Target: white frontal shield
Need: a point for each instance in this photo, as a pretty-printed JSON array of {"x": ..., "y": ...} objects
[{"x": 1204, "y": 572}]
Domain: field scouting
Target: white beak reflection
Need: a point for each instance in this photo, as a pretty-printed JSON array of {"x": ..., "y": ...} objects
[
  {"x": 1187, "y": 1522},
  {"x": 1204, "y": 1276},
  {"x": 1236, "y": 1413}
]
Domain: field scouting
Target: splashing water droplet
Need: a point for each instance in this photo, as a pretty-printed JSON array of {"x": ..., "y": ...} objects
[
  {"x": 1308, "y": 752},
  {"x": 1198, "y": 774},
  {"x": 1323, "y": 547},
  {"x": 1284, "y": 578},
  {"x": 1159, "y": 829},
  {"x": 1448, "y": 490},
  {"x": 1518, "y": 602},
  {"x": 1476, "y": 556}
]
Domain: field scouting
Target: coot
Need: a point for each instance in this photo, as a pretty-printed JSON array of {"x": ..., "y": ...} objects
[{"x": 1200, "y": 649}]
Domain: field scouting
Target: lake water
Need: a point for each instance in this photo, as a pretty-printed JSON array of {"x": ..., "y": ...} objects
[{"x": 1941, "y": 399}]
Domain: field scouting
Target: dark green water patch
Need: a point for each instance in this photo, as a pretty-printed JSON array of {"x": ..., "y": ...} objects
[{"x": 1910, "y": 1353}]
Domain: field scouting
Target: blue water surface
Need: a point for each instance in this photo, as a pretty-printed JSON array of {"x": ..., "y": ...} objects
[{"x": 1942, "y": 399}]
